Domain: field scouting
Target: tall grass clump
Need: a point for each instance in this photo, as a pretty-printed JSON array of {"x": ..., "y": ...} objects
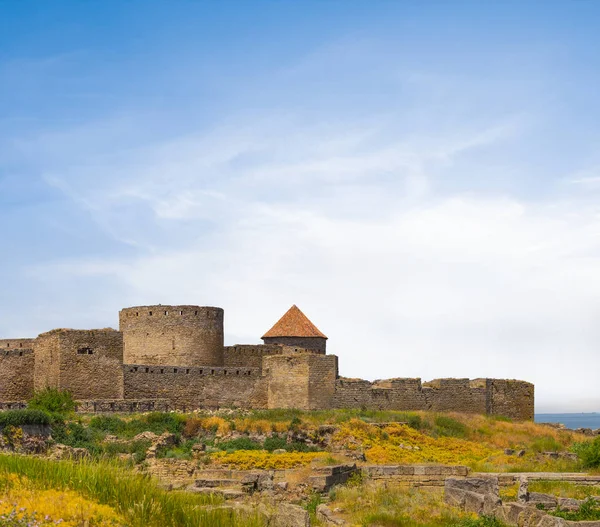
[
  {"x": 53, "y": 401},
  {"x": 135, "y": 496},
  {"x": 588, "y": 452},
  {"x": 24, "y": 417}
]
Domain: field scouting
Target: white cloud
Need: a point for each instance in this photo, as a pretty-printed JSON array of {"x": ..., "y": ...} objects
[{"x": 405, "y": 282}]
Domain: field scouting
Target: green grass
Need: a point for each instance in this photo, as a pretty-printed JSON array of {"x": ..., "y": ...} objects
[
  {"x": 564, "y": 489},
  {"x": 588, "y": 511},
  {"x": 133, "y": 495},
  {"x": 156, "y": 422},
  {"x": 24, "y": 417}
]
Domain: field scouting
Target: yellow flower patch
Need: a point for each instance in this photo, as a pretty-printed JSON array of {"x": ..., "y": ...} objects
[
  {"x": 261, "y": 459},
  {"x": 52, "y": 505}
]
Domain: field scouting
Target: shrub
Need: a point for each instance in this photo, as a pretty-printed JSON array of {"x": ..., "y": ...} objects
[
  {"x": 448, "y": 427},
  {"x": 589, "y": 510},
  {"x": 108, "y": 423},
  {"x": 193, "y": 427},
  {"x": 588, "y": 452},
  {"x": 24, "y": 417},
  {"x": 275, "y": 443},
  {"x": 53, "y": 401},
  {"x": 77, "y": 436},
  {"x": 242, "y": 443}
]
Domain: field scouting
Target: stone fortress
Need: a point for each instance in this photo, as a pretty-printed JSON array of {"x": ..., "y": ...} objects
[{"x": 173, "y": 357}]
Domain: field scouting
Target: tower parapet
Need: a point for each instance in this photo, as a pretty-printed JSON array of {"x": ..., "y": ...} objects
[{"x": 173, "y": 335}]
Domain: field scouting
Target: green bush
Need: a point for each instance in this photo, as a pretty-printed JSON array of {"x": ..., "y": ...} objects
[
  {"x": 446, "y": 426},
  {"x": 109, "y": 424},
  {"x": 588, "y": 452},
  {"x": 24, "y": 417},
  {"x": 274, "y": 443},
  {"x": 53, "y": 401},
  {"x": 242, "y": 443},
  {"x": 77, "y": 436}
]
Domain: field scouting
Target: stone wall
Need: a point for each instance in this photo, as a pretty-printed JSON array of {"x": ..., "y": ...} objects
[
  {"x": 316, "y": 344},
  {"x": 189, "y": 388},
  {"x": 175, "y": 335},
  {"x": 88, "y": 363},
  {"x": 249, "y": 356},
  {"x": 300, "y": 380},
  {"x": 16, "y": 344},
  {"x": 16, "y": 374},
  {"x": 513, "y": 399}
]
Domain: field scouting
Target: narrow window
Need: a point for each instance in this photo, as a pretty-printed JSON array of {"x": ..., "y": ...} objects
[
  {"x": 147, "y": 370},
  {"x": 162, "y": 370},
  {"x": 181, "y": 312},
  {"x": 201, "y": 372},
  {"x": 237, "y": 372},
  {"x": 21, "y": 345},
  {"x": 150, "y": 313},
  {"x": 135, "y": 369},
  {"x": 173, "y": 342},
  {"x": 20, "y": 353},
  {"x": 166, "y": 313},
  {"x": 212, "y": 372},
  {"x": 137, "y": 314},
  {"x": 85, "y": 351},
  {"x": 174, "y": 370},
  {"x": 195, "y": 312},
  {"x": 188, "y": 371}
]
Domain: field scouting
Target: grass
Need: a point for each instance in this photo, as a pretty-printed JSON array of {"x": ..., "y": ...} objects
[
  {"x": 134, "y": 496},
  {"x": 395, "y": 505},
  {"x": 564, "y": 489}
]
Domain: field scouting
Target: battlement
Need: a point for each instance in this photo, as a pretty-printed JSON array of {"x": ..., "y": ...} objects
[{"x": 194, "y": 371}]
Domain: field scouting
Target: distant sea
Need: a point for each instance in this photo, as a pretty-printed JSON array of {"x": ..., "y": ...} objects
[{"x": 571, "y": 420}]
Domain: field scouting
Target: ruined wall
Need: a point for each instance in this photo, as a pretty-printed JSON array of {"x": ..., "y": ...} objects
[
  {"x": 16, "y": 344},
  {"x": 316, "y": 344},
  {"x": 189, "y": 388},
  {"x": 300, "y": 380},
  {"x": 16, "y": 374},
  {"x": 250, "y": 356},
  {"x": 457, "y": 395},
  {"x": 513, "y": 399},
  {"x": 175, "y": 335},
  {"x": 88, "y": 363}
]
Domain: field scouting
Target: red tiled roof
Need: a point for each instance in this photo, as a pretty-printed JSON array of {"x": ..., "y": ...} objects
[{"x": 294, "y": 324}]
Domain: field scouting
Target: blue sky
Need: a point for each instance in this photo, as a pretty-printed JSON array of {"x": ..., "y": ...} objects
[{"x": 421, "y": 178}]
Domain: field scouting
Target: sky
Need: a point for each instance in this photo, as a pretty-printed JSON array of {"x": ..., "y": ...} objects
[{"x": 422, "y": 178}]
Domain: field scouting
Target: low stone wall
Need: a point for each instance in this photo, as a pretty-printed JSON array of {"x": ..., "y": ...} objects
[
  {"x": 416, "y": 475},
  {"x": 480, "y": 495},
  {"x": 123, "y": 406}
]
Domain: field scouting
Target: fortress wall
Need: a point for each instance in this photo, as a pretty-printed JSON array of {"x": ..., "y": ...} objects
[
  {"x": 176, "y": 335},
  {"x": 322, "y": 373},
  {"x": 88, "y": 363},
  {"x": 250, "y": 356},
  {"x": 198, "y": 387},
  {"x": 514, "y": 399},
  {"x": 16, "y": 374},
  {"x": 315, "y": 344},
  {"x": 16, "y": 344},
  {"x": 46, "y": 371},
  {"x": 300, "y": 380},
  {"x": 456, "y": 395},
  {"x": 511, "y": 398}
]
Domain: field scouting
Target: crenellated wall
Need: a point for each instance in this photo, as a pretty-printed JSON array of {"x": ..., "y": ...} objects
[
  {"x": 178, "y": 335},
  {"x": 198, "y": 387},
  {"x": 251, "y": 356},
  {"x": 510, "y": 398}
]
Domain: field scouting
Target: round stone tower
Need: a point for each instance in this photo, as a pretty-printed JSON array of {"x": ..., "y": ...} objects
[{"x": 172, "y": 335}]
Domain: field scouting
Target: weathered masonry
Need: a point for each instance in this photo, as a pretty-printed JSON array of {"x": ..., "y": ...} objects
[{"x": 173, "y": 357}]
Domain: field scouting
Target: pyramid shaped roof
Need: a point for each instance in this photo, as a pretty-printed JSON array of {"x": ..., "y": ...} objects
[{"x": 294, "y": 324}]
